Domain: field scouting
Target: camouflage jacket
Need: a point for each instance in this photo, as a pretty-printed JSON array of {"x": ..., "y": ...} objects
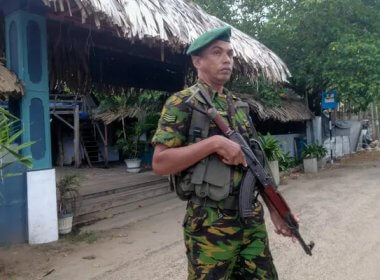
[{"x": 173, "y": 126}]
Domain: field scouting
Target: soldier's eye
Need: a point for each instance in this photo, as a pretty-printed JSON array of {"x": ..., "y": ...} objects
[{"x": 216, "y": 52}]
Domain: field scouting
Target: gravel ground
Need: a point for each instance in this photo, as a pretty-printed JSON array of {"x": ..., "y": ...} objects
[{"x": 339, "y": 210}]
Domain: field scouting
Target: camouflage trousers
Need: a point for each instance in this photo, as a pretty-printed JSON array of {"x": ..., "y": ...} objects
[{"x": 220, "y": 246}]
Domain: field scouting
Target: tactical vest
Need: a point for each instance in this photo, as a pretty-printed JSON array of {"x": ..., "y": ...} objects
[{"x": 209, "y": 178}]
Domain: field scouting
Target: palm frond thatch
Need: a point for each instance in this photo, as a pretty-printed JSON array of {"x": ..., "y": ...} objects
[
  {"x": 290, "y": 110},
  {"x": 9, "y": 84},
  {"x": 109, "y": 116},
  {"x": 174, "y": 24}
]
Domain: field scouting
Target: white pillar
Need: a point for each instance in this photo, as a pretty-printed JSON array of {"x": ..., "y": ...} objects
[{"x": 42, "y": 206}]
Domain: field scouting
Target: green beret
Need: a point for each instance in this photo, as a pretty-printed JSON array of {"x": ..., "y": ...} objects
[{"x": 222, "y": 33}]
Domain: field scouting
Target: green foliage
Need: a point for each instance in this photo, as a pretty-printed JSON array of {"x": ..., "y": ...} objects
[
  {"x": 129, "y": 143},
  {"x": 326, "y": 44},
  {"x": 68, "y": 194},
  {"x": 9, "y": 151},
  {"x": 221, "y": 9},
  {"x": 271, "y": 147},
  {"x": 314, "y": 151},
  {"x": 138, "y": 102},
  {"x": 354, "y": 70},
  {"x": 265, "y": 91},
  {"x": 143, "y": 110},
  {"x": 321, "y": 41},
  {"x": 286, "y": 162}
]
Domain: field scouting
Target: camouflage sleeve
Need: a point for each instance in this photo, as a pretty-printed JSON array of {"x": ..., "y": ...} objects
[{"x": 172, "y": 129}]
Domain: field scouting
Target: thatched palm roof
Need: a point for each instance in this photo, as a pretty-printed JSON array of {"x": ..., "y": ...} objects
[
  {"x": 9, "y": 84},
  {"x": 172, "y": 23},
  {"x": 290, "y": 110},
  {"x": 109, "y": 116}
]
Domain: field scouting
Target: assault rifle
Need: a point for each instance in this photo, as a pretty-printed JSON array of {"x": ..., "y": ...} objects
[{"x": 266, "y": 186}]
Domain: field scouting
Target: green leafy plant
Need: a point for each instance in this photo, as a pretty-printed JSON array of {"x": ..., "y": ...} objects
[
  {"x": 9, "y": 150},
  {"x": 67, "y": 194},
  {"x": 128, "y": 140},
  {"x": 142, "y": 109},
  {"x": 314, "y": 151},
  {"x": 271, "y": 147},
  {"x": 287, "y": 162}
]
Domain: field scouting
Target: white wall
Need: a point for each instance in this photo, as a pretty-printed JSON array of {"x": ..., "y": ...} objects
[
  {"x": 42, "y": 206},
  {"x": 340, "y": 146}
]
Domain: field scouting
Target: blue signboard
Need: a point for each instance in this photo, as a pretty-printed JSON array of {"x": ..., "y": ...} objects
[{"x": 329, "y": 100}]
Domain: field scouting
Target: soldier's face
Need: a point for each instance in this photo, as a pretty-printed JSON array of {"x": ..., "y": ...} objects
[{"x": 215, "y": 63}]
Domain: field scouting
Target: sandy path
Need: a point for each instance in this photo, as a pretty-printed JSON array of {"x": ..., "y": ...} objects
[{"x": 339, "y": 210}]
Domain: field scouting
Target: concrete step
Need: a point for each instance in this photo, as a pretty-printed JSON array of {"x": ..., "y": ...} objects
[
  {"x": 136, "y": 212},
  {"x": 137, "y": 181},
  {"x": 147, "y": 206},
  {"x": 111, "y": 200}
]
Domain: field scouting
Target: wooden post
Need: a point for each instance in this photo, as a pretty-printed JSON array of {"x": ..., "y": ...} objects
[
  {"x": 76, "y": 138},
  {"x": 106, "y": 145},
  {"x": 123, "y": 124},
  {"x": 60, "y": 146}
]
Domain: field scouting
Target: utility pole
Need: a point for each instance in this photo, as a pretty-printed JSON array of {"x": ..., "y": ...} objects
[
  {"x": 373, "y": 120},
  {"x": 329, "y": 103},
  {"x": 377, "y": 121},
  {"x": 330, "y": 129}
]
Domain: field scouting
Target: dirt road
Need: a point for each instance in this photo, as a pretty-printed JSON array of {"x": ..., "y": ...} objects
[{"x": 339, "y": 210}]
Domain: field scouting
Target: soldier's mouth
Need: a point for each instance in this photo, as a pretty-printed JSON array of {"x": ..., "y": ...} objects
[{"x": 226, "y": 70}]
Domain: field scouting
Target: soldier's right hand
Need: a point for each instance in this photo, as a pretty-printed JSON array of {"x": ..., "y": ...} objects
[{"x": 229, "y": 151}]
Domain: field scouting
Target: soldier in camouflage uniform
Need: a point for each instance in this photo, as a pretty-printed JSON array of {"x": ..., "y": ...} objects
[{"x": 218, "y": 244}]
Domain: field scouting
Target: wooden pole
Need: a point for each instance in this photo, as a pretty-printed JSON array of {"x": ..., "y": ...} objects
[
  {"x": 106, "y": 145},
  {"x": 123, "y": 124},
  {"x": 60, "y": 146},
  {"x": 76, "y": 138}
]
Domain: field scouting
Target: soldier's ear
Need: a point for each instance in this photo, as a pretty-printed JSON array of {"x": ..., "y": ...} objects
[{"x": 196, "y": 61}]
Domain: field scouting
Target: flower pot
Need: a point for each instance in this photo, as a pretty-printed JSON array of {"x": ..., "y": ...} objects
[
  {"x": 310, "y": 165},
  {"x": 273, "y": 165},
  {"x": 65, "y": 223},
  {"x": 133, "y": 165},
  {"x": 321, "y": 163}
]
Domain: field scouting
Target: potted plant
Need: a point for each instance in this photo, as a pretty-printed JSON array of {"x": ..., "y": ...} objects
[
  {"x": 321, "y": 157},
  {"x": 310, "y": 155},
  {"x": 273, "y": 152},
  {"x": 130, "y": 146},
  {"x": 67, "y": 201}
]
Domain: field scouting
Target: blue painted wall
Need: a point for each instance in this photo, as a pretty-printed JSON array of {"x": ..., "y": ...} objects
[{"x": 13, "y": 207}]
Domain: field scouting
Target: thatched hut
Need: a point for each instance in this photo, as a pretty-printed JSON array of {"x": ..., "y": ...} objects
[
  {"x": 289, "y": 110},
  {"x": 290, "y": 121},
  {"x": 110, "y": 45},
  {"x": 139, "y": 43}
]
